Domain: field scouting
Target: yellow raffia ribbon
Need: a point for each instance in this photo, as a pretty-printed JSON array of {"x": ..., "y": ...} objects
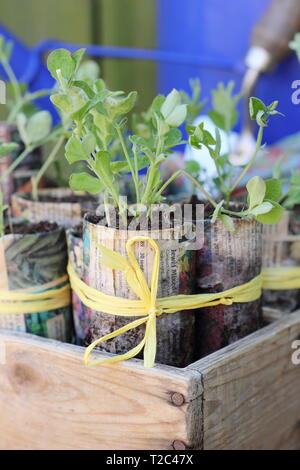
[
  {"x": 149, "y": 306},
  {"x": 281, "y": 278},
  {"x": 57, "y": 295}
]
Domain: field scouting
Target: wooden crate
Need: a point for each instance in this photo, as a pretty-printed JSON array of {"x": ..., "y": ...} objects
[{"x": 245, "y": 396}]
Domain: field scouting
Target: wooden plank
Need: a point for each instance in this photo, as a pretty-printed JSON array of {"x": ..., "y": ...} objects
[
  {"x": 36, "y": 20},
  {"x": 251, "y": 397},
  {"x": 128, "y": 23},
  {"x": 50, "y": 400}
]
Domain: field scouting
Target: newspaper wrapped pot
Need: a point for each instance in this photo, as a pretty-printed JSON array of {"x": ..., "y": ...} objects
[
  {"x": 82, "y": 317},
  {"x": 281, "y": 247},
  {"x": 26, "y": 262},
  {"x": 60, "y": 205},
  {"x": 9, "y": 133},
  {"x": 5, "y": 162},
  {"x": 175, "y": 332},
  {"x": 225, "y": 261}
]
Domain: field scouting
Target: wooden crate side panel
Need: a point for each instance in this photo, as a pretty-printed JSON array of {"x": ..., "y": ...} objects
[
  {"x": 50, "y": 400},
  {"x": 252, "y": 391}
]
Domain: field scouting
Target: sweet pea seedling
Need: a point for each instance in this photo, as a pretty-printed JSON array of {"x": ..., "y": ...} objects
[
  {"x": 263, "y": 197},
  {"x": 34, "y": 131},
  {"x": 99, "y": 117},
  {"x": 20, "y": 99}
]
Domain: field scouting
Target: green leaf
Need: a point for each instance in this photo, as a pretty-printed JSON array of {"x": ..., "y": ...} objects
[
  {"x": 192, "y": 167},
  {"x": 293, "y": 198},
  {"x": 118, "y": 106},
  {"x": 21, "y": 124},
  {"x": 273, "y": 189},
  {"x": 256, "y": 105},
  {"x": 217, "y": 212},
  {"x": 228, "y": 222},
  {"x": 262, "y": 208},
  {"x": 157, "y": 103},
  {"x": 84, "y": 86},
  {"x": 38, "y": 126},
  {"x": 74, "y": 150},
  {"x": 224, "y": 113},
  {"x": 295, "y": 178},
  {"x": 85, "y": 182},
  {"x": 89, "y": 143},
  {"x": 272, "y": 217},
  {"x": 71, "y": 103},
  {"x": 99, "y": 85},
  {"x": 77, "y": 58},
  {"x": 262, "y": 118},
  {"x": 217, "y": 119},
  {"x": 172, "y": 138},
  {"x": 170, "y": 103},
  {"x": 173, "y": 111},
  {"x": 178, "y": 116},
  {"x": 77, "y": 150},
  {"x": 7, "y": 148},
  {"x": 88, "y": 70},
  {"x": 6, "y": 48},
  {"x": 61, "y": 59},
  {"x": 103, "y": 164},
  {"x": 256, "y": 188},
  {"x": 123, "y": 167},
  {"x": 190, "y": 129},
  {"x": 103, "y": 124}
]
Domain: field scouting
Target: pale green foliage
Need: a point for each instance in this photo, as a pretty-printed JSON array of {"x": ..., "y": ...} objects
[
  {"x": 263, "y": 196},
  {"x": 99, "y": 117}
]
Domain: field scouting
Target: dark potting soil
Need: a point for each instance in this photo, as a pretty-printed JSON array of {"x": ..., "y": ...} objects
[
  {"x": 70, "y": 199},
  {"x": 209, "y": 208},
  {"x": 77, "y": 231},
  {"x": 29, "y": 229},
  {"x": 101, "y": 220}
]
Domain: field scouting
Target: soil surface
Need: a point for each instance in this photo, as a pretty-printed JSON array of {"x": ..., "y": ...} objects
[
  {"x": 77, "y": 231},
  {"x": 26, "y": 229},
  {"x": 71, "y": 199},
  {"x": 145, "y": 222},
  {"x": 209, "y": 209}
]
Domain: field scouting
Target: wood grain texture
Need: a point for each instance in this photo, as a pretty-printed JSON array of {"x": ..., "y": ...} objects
[
  {"x": 50, "y": 400},
  {"x": 245, "y": 396},
  {"x": 251, "y": 396}
]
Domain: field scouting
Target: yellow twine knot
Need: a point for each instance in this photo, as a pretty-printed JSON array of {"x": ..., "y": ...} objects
[
  {"x": 224, "y": 301},
  {"x": 148, "y": 306}
]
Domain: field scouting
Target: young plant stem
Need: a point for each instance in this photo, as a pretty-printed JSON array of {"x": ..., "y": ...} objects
[
  {"x": 251, "y": 161},
  {"x": 35, "y": 180},
  {"x": 17, "y": 162},
  {"x": 201, "y": 188},
  {"x": 106, "y": 208},
  {"x": 2, "y": 209},
  {"x": 239, "y": 214},
  {"x": 13, "y": 79},
  {"x": 148, "y": 188},
  {"x": 28, "y": 98},
  {"x": 169, "y": 181},
  {"x": 132, "y": 170}
]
